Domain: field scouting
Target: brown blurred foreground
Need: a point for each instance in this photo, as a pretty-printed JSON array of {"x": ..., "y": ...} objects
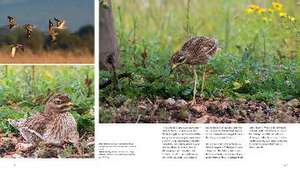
[{"x": 56, "y": 57}]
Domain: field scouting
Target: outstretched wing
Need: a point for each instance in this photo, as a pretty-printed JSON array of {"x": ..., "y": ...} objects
[
  {"x": 21, "y": 46},
  {"x": 11, "y": 22},
  {"x": 56, "y": 19},
  {"x": 13, "y": 51},
  {"x": 50, "y": 26},
  {"x": 60, "y": 24},
  {"x": 10, "y": 18}
]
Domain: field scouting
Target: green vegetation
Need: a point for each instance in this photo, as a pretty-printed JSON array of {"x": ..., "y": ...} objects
[{"x": 259, "y": 59}]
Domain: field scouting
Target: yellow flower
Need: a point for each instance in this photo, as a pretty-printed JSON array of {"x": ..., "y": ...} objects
[
  {"x": 271, "y": 11},
  {"x": 277, "y": 6},
  {"x": 292, "y": 19},
  {"x": 266, "y": 19},
  {"x": 249, "y": 10},
  {"x": 261, "y": 10},
  {"x": 254, "y": 7},
  {"x": 283, "y": 14},
  {"x": 236, "y": 85}
]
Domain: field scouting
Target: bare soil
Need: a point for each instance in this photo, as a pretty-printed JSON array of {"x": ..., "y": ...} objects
[
  {"x": 13, "y": 146},
  {"x": 216, "y": 110}
]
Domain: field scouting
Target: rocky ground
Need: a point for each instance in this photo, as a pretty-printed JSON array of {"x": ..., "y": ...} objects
[
  {"x": 13, "y": 146},
  {"x": 217, "y": 110}
]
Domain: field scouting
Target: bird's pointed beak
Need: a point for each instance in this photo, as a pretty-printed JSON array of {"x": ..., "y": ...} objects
[
  {"x": 173, "y": 66},
  {"x": 70, "y": 104}
]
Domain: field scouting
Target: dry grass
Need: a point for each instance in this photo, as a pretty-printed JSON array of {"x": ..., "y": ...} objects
[{"x": 56, "y": 57}]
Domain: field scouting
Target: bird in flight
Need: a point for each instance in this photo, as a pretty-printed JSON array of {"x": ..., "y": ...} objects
[
  {"x": 29, "y": 29},
  {"x": 11, "y": 22},
  {"x": 60, "y": 24},
  {"x": 15, "y": 48},
  {"x": 196, "y": 51},
  {"x": 51, "y": 31}
]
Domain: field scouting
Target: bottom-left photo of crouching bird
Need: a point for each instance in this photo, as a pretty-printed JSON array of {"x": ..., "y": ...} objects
[{"x": 49, "y": 116}]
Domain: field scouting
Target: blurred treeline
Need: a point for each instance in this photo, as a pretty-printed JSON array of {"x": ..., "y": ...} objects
[{"x": 82, "y": 40}]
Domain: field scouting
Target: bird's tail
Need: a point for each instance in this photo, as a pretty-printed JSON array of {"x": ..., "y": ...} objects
[{"x": 15, "y": 123}]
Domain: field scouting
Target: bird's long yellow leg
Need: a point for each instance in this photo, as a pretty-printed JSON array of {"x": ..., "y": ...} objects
[
  {"x": 195, "y": 86},
  {"x": 203, "y": 79}
]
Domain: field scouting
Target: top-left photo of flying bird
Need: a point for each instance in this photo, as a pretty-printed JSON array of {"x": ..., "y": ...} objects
[{"x": 43, "y": 32}]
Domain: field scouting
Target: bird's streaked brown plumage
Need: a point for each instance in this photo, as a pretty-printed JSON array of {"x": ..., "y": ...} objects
[
  {"x": 11, "y": 22},
  {"x": 195, "y": 51},
  {"x": 51, "y": 31},
  {"x": 29, "y": 29},
  {"x": 60, "y": 23},
  {"x": 55, "y": 125}
]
